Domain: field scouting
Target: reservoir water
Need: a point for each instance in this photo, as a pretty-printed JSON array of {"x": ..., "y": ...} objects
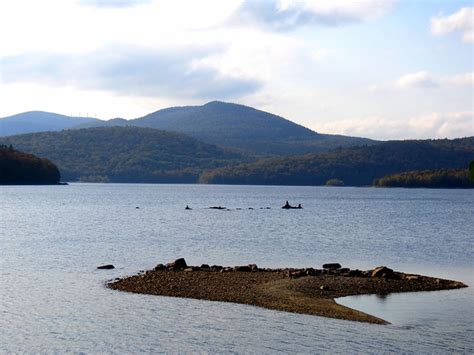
[{"x": 53, "y": 299}]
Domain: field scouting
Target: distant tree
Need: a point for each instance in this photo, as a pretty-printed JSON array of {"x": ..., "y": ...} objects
[
  {"x": 471, "y": 171},
  {"x": 334, "y": 182}
]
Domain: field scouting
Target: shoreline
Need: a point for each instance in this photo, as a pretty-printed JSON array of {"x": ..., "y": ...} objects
[{"x": 306, "y": 291}]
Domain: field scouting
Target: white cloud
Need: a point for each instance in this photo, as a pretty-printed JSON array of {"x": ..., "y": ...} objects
[
  {"x": 435, "y": 125},
  {"x": 283, "y": 15},
  {"x": 113, "y": 3},
  {"x": 461, "y": 21},
  {"x": 421, "y": 79},
  {"x": 130, "y": 70},
  {"x": 426, "y": 80}
]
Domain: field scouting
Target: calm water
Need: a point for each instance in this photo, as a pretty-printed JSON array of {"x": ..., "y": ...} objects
[{"x": 52, "y": 238}]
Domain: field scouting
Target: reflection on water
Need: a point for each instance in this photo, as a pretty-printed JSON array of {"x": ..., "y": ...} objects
[{"x": 53, "y": 299}]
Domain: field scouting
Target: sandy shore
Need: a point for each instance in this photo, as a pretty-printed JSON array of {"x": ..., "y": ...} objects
[{"x": 308, "y": 291}]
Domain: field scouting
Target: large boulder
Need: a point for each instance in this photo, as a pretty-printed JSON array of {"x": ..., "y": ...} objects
[
  {"x": 178, "y": 264},
  {"x": 382, "y": 271},
  {"x": 332, "y": 266}
]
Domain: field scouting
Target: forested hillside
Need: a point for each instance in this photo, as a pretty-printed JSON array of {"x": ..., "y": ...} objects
[
  {"x": 358, "y": 166},
  {"x": 125, "y": 154},
  {"x": 242, "y": 127},
  {"x": 442, "y": 178},
  {"x": 18, "y": 168}
]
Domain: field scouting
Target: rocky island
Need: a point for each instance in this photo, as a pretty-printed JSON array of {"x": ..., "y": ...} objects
[{"x": 303, "y": 290}]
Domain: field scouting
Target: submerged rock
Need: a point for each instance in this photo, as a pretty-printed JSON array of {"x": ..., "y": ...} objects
[{"x": 106, "y": 267}]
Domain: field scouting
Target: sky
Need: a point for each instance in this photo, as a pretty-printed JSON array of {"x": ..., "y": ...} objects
[{"x": 383, "y": 69}]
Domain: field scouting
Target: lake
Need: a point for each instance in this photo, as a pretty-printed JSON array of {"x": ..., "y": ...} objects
[{"x": 53, "y": 299}]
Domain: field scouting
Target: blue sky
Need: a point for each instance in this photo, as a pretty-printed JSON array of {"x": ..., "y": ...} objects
[{"x": 384, "y": 69}]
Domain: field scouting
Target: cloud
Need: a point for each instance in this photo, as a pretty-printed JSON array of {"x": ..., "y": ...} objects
[
  {"x": 461, "y": 21},
  {"x": 113, "y": 3},
  {"x": 426, "y": 80},
  {"x": 135, "y": 71},
  {"x": 435, "y": 125},
  {"x": 421, "y": 79},
  {"x": 287, "y": 15}
]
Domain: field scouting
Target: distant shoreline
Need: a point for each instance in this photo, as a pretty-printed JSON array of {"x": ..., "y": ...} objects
[{"x": 307, "y": 291}]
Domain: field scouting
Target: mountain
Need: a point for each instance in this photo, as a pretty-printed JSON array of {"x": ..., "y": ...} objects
[
  {"x": 357, "y": 166},
  {"x": 125, "y": 154},
  {"x": 18, "y": 168},
  {"x": 246, "y": 128},
  {"x": 39, "y": 121}
]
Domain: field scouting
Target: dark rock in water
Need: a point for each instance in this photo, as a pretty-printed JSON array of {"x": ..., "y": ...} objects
[
  {"x": 188, "y": 208},
  {"x": 160, "y": 267},
  {"x": 217, "y": 208},
  {"x": 178, "y": 264},
  {"x": 380, "y": 271},
  {"x": 332, "y": 266},
  {"x": 106, "y": 267},
  {"x": 287, "y": 206},
  {"x": 137, "y": 208},
  {"x": 243, "y": 268}
]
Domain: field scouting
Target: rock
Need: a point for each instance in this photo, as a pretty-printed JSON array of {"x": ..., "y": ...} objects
[
  {"x": 355, "y": 273},
  {"x": 243, "y": 268},
  {"x": 178, "y": 264},
  {"x": 343, "y": 271},
  {"x": 106, "y": 267},
  {"x": 410, "y": 277},
  {"x": 227, "y": 269},
  {"x": 332, "y": 266},
  {"x": 205, "y": 267},
  {"x": 253, "y": 267},
  {"x": 294, "y": 274},
  {"x": 216, "y": 268},
  {"x": 381, "y": 270},
  {"x": 324, "y": 288},
  {"x": 189, "y": 269},
  {"x": 160, "y": 267}
]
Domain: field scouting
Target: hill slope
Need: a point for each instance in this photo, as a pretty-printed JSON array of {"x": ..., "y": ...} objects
[
  {"x": 356, "y": 166},
  {"x": 245, "y": 128},
  {"x": 436, "y": 179},
  {"x": 125, "y": 154},
  {"x": 39, "y": 121},
  {"x": 18, "y": 168}
]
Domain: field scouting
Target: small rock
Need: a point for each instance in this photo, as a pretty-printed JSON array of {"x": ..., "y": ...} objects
[
  {"x": 332, "y": 266},
  {"x": 205, "y": 267},
  {"x": 296, "y": 274},
  {"x": 243, "y": 268},
  {"x": 216, "y": 268},
  {"x": 411, "y": 277},
  {"x": 106, "y": 267},
  {"x": 354, "y": 273},
  {"x": 324, "y": 288},
  {"x": 160, "y": 267}
]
